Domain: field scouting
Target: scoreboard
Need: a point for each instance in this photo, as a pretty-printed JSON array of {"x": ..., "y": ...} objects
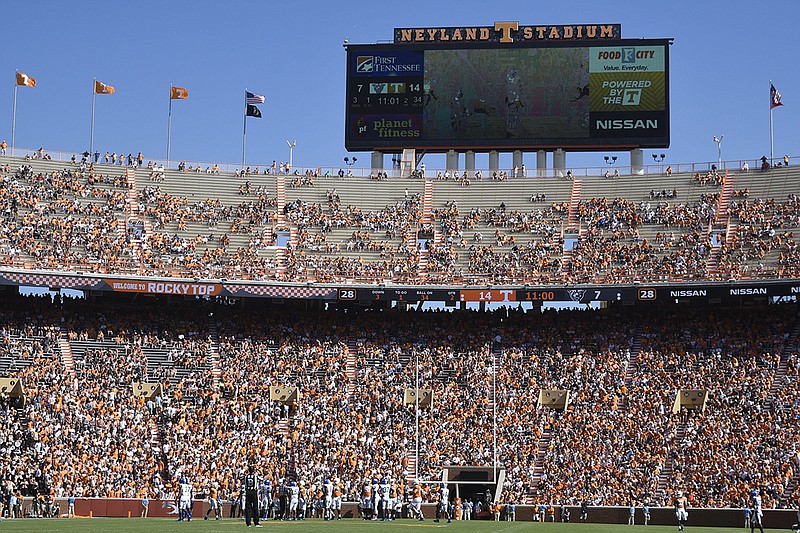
[
  {"x": 712, "y": 292},
  {"x": 573, "y": 95}
]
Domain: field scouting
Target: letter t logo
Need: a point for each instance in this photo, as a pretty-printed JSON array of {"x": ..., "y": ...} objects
[{"x": 506, "y": 28}]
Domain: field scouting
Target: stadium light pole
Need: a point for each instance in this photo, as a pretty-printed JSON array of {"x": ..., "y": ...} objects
[
  {"x": 610, "y": 161},
  {"x": 291, "y": 148},
  {"x": 658, "y": 158},
  {"x": 718, "y": 140}
]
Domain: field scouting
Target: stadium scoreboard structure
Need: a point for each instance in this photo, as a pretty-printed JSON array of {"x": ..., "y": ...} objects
[{"x": 580, "y": 88}]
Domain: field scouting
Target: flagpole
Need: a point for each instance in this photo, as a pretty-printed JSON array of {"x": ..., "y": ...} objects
[
  {"x": 771, "y": 141},
  {"x": 771, "y": 135},
  {"x": 169, "y": 122},
  {"x": 91, "y": 132},
  {"x": 244, "y": 131},
  {"x": 14, "y": 114}
]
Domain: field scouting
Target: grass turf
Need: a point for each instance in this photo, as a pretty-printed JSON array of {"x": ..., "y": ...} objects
[{"x": 166, "y": 525}]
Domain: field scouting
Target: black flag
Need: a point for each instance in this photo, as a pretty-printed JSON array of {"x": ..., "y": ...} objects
[{"x": 253, "y": 111}]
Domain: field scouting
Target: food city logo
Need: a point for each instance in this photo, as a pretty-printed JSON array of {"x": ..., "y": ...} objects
[
  {"x": 629, "y": 59},
  {"x": 386, "y": 65}
]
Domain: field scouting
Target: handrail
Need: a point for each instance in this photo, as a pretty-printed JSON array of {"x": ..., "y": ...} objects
[{"x": 577, "y": 172}]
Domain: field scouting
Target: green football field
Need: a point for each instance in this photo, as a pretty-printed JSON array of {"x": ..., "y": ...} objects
[{"x": 153, "y": 525}]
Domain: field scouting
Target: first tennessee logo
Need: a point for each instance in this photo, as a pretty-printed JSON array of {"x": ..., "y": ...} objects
[{"x": 365, "y": 64}]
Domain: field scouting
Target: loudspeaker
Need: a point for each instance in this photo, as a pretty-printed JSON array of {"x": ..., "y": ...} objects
[
  {"x": 147, "y": 390},
  {"x": 425, "y": 397},
  {"x": 690, "y": 399},
  {"x": 283, "y": 393},
  {"x": 554, "y": 398},
  {"x": 11, "y": 387}
]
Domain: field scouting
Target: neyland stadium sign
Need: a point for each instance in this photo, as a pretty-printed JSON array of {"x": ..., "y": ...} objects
[{"x": 509, "y": 33}]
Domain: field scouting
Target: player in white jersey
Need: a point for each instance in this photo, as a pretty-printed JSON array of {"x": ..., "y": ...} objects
[
  {"x": 383, "y": 490},
  {"x": 443, "y": 507},
  {"x": 294, "y": 499},
  {"x": 266, "y": 498},
  {"x": 185, "y": 501},
  {"x": 681, "y": 509},
  {"x": 327, "y": 494},
  {"x": 757, "y": 512}
]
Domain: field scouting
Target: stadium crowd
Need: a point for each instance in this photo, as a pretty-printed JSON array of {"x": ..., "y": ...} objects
[
  {"x": 82, "y": 432},
  {"x": 88, "y": 216}
]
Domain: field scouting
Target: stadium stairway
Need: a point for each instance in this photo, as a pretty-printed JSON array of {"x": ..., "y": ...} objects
[
  {"x": 351, "y": 367},
  {"x": 156, "y": 424},
  {"x": 632, "y": 366},
  {"x": 213, "y": 351},
  {"x": 538, "y": 465},
  {"x": 731, "y": 230},
  {"x": 410, "y": 237},
  {"x": 155, "y": 438},
  {"x": 666, "y": 473},
  {"x": 427, "y": 202},
  {"x": 280, "y": 185},
  {"x": 280, "y": 263},
  {"x": 66, "y": 354},
  {"x": 411, "y": 466},
  {"x": 725, "y": 198},
  {"x": 438, "y": 239},
  {"x": 573, "y": 226},
  {"x": 574, "y": 203},
  {"x": 132, "y": 203},
  {"x": 282, "y": 427}
]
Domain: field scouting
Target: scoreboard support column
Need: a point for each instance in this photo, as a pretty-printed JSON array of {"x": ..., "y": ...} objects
[
  {"x": 469, "y": 163},
  {"x": 541, "y": 163},
  {"x": 494, "y": 160},
  {"x": 559, "y": 162},
  {"x": 452, "y": 161},
  {"x": 516, "y": 158},
  {"x": 377, "y": 162},
  {"x": 409, "y": 162},
  {"x": 637, "y": 161}
]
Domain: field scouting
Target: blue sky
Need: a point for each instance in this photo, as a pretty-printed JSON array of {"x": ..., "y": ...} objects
[{"x": 722, "y": 59}]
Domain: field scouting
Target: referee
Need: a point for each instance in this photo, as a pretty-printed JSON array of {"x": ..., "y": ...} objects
[{"x": 250, "y": 487}]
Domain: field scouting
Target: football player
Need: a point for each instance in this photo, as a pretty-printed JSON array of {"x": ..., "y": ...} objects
[
  {"x": 681, "y": 511},
  {"x": 185, "y": 501},
  {"x": 757, "y": 513},
  {"x": 443, "y": 507},
  {"x": 294, "y": 500}
]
